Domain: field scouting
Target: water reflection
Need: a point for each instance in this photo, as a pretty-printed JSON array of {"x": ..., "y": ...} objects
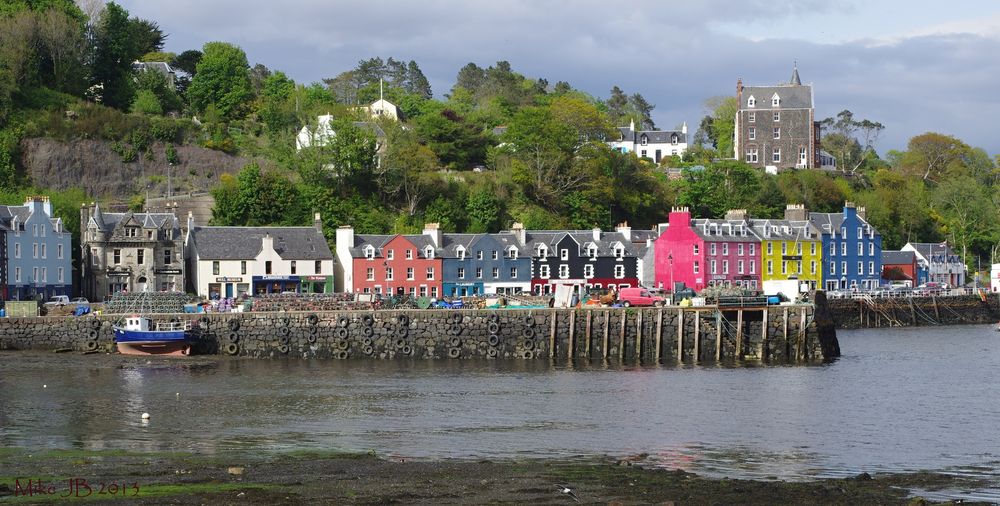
[{"x": 898, "y": 400}]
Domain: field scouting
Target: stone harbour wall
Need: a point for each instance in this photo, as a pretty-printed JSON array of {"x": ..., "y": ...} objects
[
  {"x": 646, "y": 335},
  {"x": 914, "y": 311}
]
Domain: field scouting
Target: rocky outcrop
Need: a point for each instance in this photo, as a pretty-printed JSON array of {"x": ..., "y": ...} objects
[{"x": 95, "y": 167}]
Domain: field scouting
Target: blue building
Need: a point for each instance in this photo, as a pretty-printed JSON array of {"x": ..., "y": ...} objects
[
  {"x": 478, "y": 264},
  {"x": 38, "y": 261},
  {"x": 852, "y": 249}
]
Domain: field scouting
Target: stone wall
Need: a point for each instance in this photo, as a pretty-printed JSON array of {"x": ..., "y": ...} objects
[
  {"x": 647, "y": 335},
  {"x": 915, "y": 311}
]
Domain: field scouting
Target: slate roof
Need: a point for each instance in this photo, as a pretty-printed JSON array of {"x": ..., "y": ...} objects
[
  {"x": 724, "y": 230},
  {"x": 898, "y": 257},
  {"x": 652, "y": 136},
  {"x": 794, "y": 233},
  {"x": 827, "y": 222},
  {"x": 926, "y": 249},
  {"x": 241, "y": 243},
  {"x": 107, "y": 222},
  {"x": 605, "y": 244},
  {"x": 8, "y": 213},
  {"x": 792, "y": 96}
]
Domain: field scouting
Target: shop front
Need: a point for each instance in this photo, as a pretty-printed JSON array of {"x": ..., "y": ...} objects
[
  {"x": 317, "y": 284},
  {"x": 168, "y": 280},
  {"x": 275, "y": 284},
  {"x": 227, "y": 288}
]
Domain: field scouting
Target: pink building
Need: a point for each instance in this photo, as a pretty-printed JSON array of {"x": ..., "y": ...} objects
[{"x": 703, "y": 253}]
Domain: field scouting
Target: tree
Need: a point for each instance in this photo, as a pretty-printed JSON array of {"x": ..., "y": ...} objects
[
  {"x": 485, "y": 212},
  {"x": 118, "y": 41},
  {"x": 410, "y": 168},
  {"x": 840, "y": 139},
  {"x": 457, "y": 143},
  {"x": 960, "y": 204},
  {"x": 146, "y": 103},
  {"x": 617, "y": 104},
  {"x": 256, "y": 198},
  {"x": 156, "y": 83},
  {"x": 62, "y": 38},
  {"x": 470, "y": 77},
  {"x": 187, "y": 61},
  {"x": 928, "y": 155},
  {"x": 643, "y": 110},
  {"x": 723, "y": 124},
  {"x": 222, "y": 79}
]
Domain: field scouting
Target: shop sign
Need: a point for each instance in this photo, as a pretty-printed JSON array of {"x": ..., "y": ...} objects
[
  {"x": 273, "y": 277},
  {"x": 167, "y": 271},
  {"x": 791, "y": 257},
  {"x": 228, "y": 280},
  {"x": 314, "y": 278},
  {"x": 119, "y": 273}
]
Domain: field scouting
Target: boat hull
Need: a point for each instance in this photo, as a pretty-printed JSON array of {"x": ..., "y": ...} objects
[{"x": 134, "y": 342}]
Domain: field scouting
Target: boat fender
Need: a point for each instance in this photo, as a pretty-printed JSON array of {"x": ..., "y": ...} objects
[
  {"x": 342, "y": 344},
  {"x": 284, "y": 331},
  {"x": 90, "y": 345},
  {"x": 343, "y": 322},
  {"x": 234, "y": 324},
  {"x": 493, "y": 340},
  {"x": 368, "y": 320},
  {"x": 455, "y": 341},
  {"x": 528, "y": 333},
  {"x": 528, "y": 344},
  {"x": 283, "y": 340},
  {"x": 96, "y": 324},
  {"x": 403, "y": 320},
  {"x": 285, "y": 321},
  {"x": 400, "y": 343},
  {"x": 312, "y": 319},
  {"x": 368, "y": 332},
  {"x": 342, "y": 355},
  {"x": 283, "y": 349},
  {"x": 406, "y": 350},
  {"x": 493, "y": 327},
  {"x": 234, "y": 337},
  {"x": 528, "y": 354},
  {"x": 366, "y": 341},
  {"x": 311, "y": 338},
  {"x": 315, "y": 330},
  {"x": 455, "y": 329},
  {"x": 454, "y": 352},
  {"x": 494, "y": 318},
  {"x": 457, "y": 318},
  {"x": 402, "y": 331},
  {"x": 491, "y": 353},
  {"x": 92, "y": 334},
  {"x": 368, "y": 350},
  {"x": 232, "y": 349},
  {"x": 342, "y": 333},
  {"x": 529, "y": 320},
  {"x": 204, "y": 320}
]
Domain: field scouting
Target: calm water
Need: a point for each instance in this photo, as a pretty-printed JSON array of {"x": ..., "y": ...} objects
[{"x": 898, "y": 400}]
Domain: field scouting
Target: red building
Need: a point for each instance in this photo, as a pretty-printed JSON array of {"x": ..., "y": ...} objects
[
  {"x": 680, "y": 253},
  {"x": 390, "y": 264},
  {"x": 900, "y": 266}
]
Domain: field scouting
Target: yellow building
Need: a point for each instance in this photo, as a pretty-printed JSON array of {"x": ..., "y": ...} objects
[{"x": 790, "y": 249}]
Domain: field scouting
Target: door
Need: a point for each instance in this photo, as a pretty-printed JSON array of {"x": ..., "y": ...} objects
[{"x": 229, "y": 290}]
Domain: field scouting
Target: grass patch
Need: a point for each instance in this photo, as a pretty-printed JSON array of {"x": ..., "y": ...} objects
[{"x": 327, "y": 454}]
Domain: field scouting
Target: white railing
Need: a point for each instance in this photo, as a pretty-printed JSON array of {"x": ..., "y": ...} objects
[{"x": 901, "y": 293}]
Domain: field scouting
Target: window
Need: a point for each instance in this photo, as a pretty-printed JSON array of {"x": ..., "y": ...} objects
[
  {"x": 843, "y": 248},
  {"x": 140, "y": 256},
  {"x": 513, "y": 272},
  {"x": 619, "y": 271},
  {"x": 34, "y": 250},
  {"x": 543, "y": 272},
  {"x": 712, "y": 266},
  {"x": 267, "y": 267},
  {"x": 753, "y": 268},
  {"x": 812, "y": 248},
  {"x": 695, "y": 249},
  {"x": 564, "y": 254},
  {"x": 711, "y": 249},
  {"x": 843, "y": 267},
  {"x": 861, "y": 249},
  {"x": 369, "y": 252},
  {"x": 619, "y": 252},
  {"x": 317, "y": 267},
  {"x": 802, "y": 156},
  {"x": 17, "y": 274},
  {"x": 409, "y": 273},
  {"x": 461, "y": 273},
  {"x": 409, "y": 254},
  {"x": 751, "y": 102},
  {"x": 861, "y": 233},
  {"x": 642, "y": 154},
  {"x": 751, "y": 155},
  {"x": 293, "y": 265},
  {"x": 752, "y": 117},
  {"x": 752, "y": 134},
  {"x": 512, "y": 253},
  {"x": 739, "y": 266},
  {"x": 776, "y": 155},
  {"x": 389, "y": 255},
  {"x": 696, "y": 267},
  {"x": 430, "y": 273},
  {"x": 861, "y": 268},
  {"x": 592, "y": 252},
  {"x": 428, "y": 252},
  {"x": 843, "y": 232},
  {"x": 370, "y": 274},
  {"x": 784, "y": 248},
  {"x": 44, "y": 252},
  {"x": 833, "y": 249},
  {"x": 59, "y": 251},
  {"x": 215, "y": 268},
  {"x": 34, "y": 274},
  {"x": 479, "y": 255},
  {"x": 479, "y": 273},
  {"x": 17, "y": 250},
  {"x": 775, "y": 100},
  {"x": 673, "y": 139},
  {"x": 784, "y": 267},
  {"x": 770, "y": 248},
  {"x": 725, "y": 266},
  {"x": 61, "y": 276},
  {"x": 117, "y": 256},
  {"x": 45, "y": 271},
  {"x": 434, "y": 291},
  {"x": 496, "y": 272},
  {"x": 777, "y": 116},
  {"x": 423, "y": 291},
  {"x": 812, "y": 267},
  {"x": 388, "y": 273},
  {"x": 739, "y": 249},
  {"x": 871, "y": 268},
  {"x": 563, "y": 271},
  {"x": 495, "y": 255},
  {"x": 833, "y": 267},
  {"x": 725, "y": 248},
  {"x": 798, "y": 248},
  {"x": 588, "y": 271},
  {"x": 871, "y": 249},
  {"x": 770, "y": 267},
  {"x": 753, "y": 249},
  {"x": 777, "y": 132}
]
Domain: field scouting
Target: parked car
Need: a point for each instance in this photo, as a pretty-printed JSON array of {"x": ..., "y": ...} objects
[
  {"x": 638, "y": 297},
  {"x": 80, "y": 301},
  {"x": 57, "y": 301}
]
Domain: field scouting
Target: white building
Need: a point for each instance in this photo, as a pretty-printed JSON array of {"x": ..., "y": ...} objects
[
  {"x": 995, "y": 278},
  {"x": 652, "y": 144},
  {"x": 232, "y": 261},
  {"x": 943, "y": 265}
]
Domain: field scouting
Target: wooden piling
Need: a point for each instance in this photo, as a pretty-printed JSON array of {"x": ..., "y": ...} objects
[
  {"x": 621, "y": 341},
  {"x": 570, "y": 341},
  {"x": 552, "y": 336},
  {"x": 936, "y": 313},
  {"x": 659, "y": 334},
  {"x": 784, "y": 323},
  {"x": 739, "y": 334},
  {"x": 680, "y": 335},
  {"x": 763, "y": 335},
  {"x": 718, "y": 335},
  {"x": 913, "y": 314},
  {"x": 607, "y": 333},
  {"x": 586, "y": 347},
  {"x": 638, "y": 337},
  {"x": 802, "y": 335},
  {"x": 697, "y": 336}
]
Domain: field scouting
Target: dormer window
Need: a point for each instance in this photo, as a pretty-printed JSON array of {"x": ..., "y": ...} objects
[
  {"x": 644, "y": 140},
  {"x": 512, "y": 253},
  {"x": 775, "y": 100},
  {"x": 592, "y": 251},
  {"x": 460, "y": 252},
  {"x": 542, "y": 251},
  {"x": 428, "y": 252},
  {"x": 369, "y": 252},
  {"x": 619, "y": 251},
  {"x": 751, "y": 102}
]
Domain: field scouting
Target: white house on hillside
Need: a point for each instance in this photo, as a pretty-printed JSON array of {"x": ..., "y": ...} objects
[{"x": 652, "y": 144}]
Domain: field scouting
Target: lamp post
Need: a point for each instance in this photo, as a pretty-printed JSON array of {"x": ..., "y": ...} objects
[{"x": 670, "y": 258}]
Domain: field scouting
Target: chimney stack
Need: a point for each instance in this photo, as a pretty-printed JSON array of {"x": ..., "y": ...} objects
[
  {"x": 862, "y": 213},
  {"x": 434, "y": 231},
  {"x": 736, "y": 215},
  {"x": 318, "y": 222},
  {"x": 597, "y": 233},
  {"x": 518, "y": 230},
  {"x": 796, "y": 212},
  {"x": 624, "y": 230}
]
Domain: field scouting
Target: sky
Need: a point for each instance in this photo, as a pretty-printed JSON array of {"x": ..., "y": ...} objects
[{"x": 912, "y": 65}]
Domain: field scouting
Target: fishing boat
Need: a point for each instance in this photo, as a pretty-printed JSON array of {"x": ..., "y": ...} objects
[{"x": 139, "y": 335}]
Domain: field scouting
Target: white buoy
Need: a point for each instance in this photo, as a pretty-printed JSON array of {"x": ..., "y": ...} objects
[
  {"x": 45, "y": 386},
  {"x": 145, "y": 416}
]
